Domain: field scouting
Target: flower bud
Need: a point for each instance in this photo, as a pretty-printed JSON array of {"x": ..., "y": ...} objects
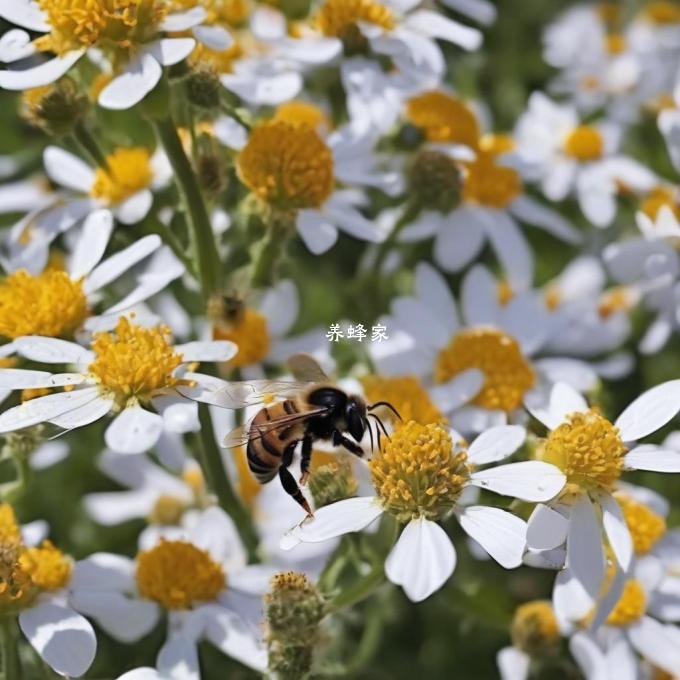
[
  {"x": 434, "y": 180},
  {"x": 203, "y": 87},
  {"x": 534, "y": 628},
  {"x": 55, "y": 108},
  {"x": 332, "y": 482}
]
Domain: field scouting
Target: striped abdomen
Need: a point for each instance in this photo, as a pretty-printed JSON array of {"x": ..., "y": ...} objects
[{"x": 265, "y": 452}]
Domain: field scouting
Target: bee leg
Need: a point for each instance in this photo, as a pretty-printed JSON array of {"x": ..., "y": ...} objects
[
  {"x": 290, "y": 487},
  {"x": 305, "y": 459},
  {"x": 340, "y": 440}
]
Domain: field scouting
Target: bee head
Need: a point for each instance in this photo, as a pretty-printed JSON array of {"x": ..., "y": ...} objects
[{"x": 355, "y": 415}]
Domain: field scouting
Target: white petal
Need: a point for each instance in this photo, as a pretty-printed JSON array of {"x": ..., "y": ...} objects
[
  {"x": 437, "y": 26},
  {"x": 650, "y": 411},
  {"x": 85, "y": 414},
  {"x": 214, "y": 37},
  {"x": 129, "y": 88},
  {"x": 585, "y": 553},
  {"x": 460, "y": 239},
  {"x": 134, "y": 208},
  {"x": 45, "y": 408},
  {"x": 513, "y": 664},
  {"x": 143, "y": 673},
  {"x": 564, "y": 400},
  {"x": 317, "y": 232},
  {"x": 458, "y": 391},
  {"x": 573, "y": 372},
  {"x": 343, "y": 517},
  {"x": 422, "y": 559},
  {"x": 589, "y": 657},
  {"x": 617, "y": 530},
  {"x": 15, "y": 45},
  {"x": 178, "y": 659},
  {"x": 281, "y": 306},
  {"x": 432, "y": 288},
  {"x": 92, "y": 243},
  {"x": 25, "y": 13},
  {"x": 50, "y": 350},
  {"x": 181, "y": 21},
  {"x": 214, "y": 350},
  {"x": 103, "y": 571},
  {"x": 546, "y": 529},
  {"x": 481, "y": 11},
  {"x": 216, "y": 532},
  {"x": 501, "y": 534},
  {"x": 479, "y": 297},
  {"x": 657, "y": 643},
  {"x": 532, "y": 212},
  {"x": 653, "y": 458},
  {"x": 179, "y": 414},
  {"x": 530, "y": 480},
  {"x": 134, "y": 430},
  {"x": 496, "y": 443},
  {"x": 67, "y": 170},
  {"x": 111, "y": 268},
  {"x": 570, "y": 601},
  {"x": 18, "y": 378},
  {"x": 271, "y": 90},
  {"x": 63, "y": 639},
  {"x": 41, "y": 75},
  {"x": 510, "y": 247},
  {"x": 171, "y": 51}
]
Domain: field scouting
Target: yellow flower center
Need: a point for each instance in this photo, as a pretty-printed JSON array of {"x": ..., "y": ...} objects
[
  {"x": 615, "y": 43},
  {"x": 662, "y": 12},
  {"x": 418, "y": 473},
  {"x": 631, "y": 605},
  {"x": 584, "y": 143},
  {"x": 504, "y": 292},
  {"x": 231, "y": 12},
  {"x": 406, "y": 394},
  {"x": 617, "y": 299},
  {"x": 25, "y": 572},
  {"x": 496, "y": 143},
  {"x": 534, "y": 628},
  {"x": 49, "y": 304},
  {"x": 167, "y": 510},
  {"x": 487, "y": 183},
  {"x": 302, "y": 113},
  {"x": 588, "y": 449},
  {"x": 336, "y": 16},
  {"x": 221, "y": 61},
  {"x": 128, "y": 171},
  {"x": 659, "y": 197},
  {"x": 288, "y": 166},
  {"x": 249, "y": 332},
  {"x": 443, "y": 118},
  {"x": 111, "y": 25},
  {"x": 194, "y": 478},
  {"x": 507, "y": 374},
  {"x": 645, "y": 526},
  {"x": 133, "y": 362},
  {"x": 177, "y": 575}
]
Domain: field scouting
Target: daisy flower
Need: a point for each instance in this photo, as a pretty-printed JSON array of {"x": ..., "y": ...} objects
[
  {"x": 195, "y": 575},
  {"x": 126, "y": 372},
  {"x": 294, "y": 171},
  {"x": 593, "y": 452},
  {"x": 564, "y": 155},
  {"x": 132, "y": 47},
  {"x": 419, "y": 477},
  {"x": 36, "y": 576},
  {"x": 58, "y": 303},
  {"x": 478, "y": 365},
  {"x": 470, "y": 194}
]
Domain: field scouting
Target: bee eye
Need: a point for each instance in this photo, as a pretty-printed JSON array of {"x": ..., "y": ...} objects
[{"x": 355, "y": 423}]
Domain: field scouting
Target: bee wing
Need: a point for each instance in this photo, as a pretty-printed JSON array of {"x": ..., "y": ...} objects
[
  {"x": 242, "y": 434},
  {"x": 240, "y": 394},
  {"x": 305, "y": 367}
]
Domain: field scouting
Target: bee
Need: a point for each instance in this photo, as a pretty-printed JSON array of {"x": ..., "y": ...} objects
[{"x": 310, "y": 409}]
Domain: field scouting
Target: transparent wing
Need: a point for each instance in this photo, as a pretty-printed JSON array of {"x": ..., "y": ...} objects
[
  {"x": 304, "y": 367},
  {"x": 242, "y": 434},
  {"x": 252, "y": 392}
]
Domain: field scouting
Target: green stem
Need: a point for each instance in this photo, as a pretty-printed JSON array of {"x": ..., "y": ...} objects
[
  {"x": 266, "y": 255},
  {"x": 369, "y": 641},
  {"x": 90, "y": 145},
  {"x": 384, "y": 248},
  {"x": 10, "y": 492},
  {"x": 203, "y": 240},
  {"x": 11, "y": 664},
  {"x": 359, "y": 591},
  {"x": 218, "y": 480},
  {"x": 156, "y": 226}
]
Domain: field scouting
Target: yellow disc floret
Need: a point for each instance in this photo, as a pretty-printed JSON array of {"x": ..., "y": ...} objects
[
  {"x": 657, "y": 198},
  {"x": 534, "y": 628},
  {"x": 336, "y": 16},
  {"x": 406, "y": 394},
  {"x": 645, "y": 526},
  {"x": 584, "y": 143},
  {"x": 489, "y": 184},
  {"x": 177, "y": 575},
  {"x": 288, "y": 166},
  {"x": 662, "y": 12},
  {"x": 128, "y": 171},
  {"x": 167, "y": 510},
  {"x": 49, "y": 568},
  {"x": 418, "y": 473},
  {"x": 119, "y": 26},
  {"x": 507, "y": 374},
  {"x": 299, "y": 112},
  {"x": 588, "y": 449},
  {"x": 443, "y": 118},
  {"x": 631, "y": 605},
  {"x": 133, "y": 362},
  {"x": 49, "y": 304},
  {"x": 249, "y": 332}
]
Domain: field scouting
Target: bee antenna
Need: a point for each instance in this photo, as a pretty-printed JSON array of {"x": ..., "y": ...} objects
[
  {"x": 370, "y": 432},
  {"x": 387, "y": 405},
  {"x": 380, "y": 423}
]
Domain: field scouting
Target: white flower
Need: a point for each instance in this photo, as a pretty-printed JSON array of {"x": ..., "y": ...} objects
[
  {"x": 71, "y": 31},
  {"x": 197, "y": 574},
  {"x": 593, "y": 453},
  {"x": 459, "y": 359},
  {"x": 565, "y": 155},
  {"x": 126, "y": 372},
  {"x": 423, "y": 557}
]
